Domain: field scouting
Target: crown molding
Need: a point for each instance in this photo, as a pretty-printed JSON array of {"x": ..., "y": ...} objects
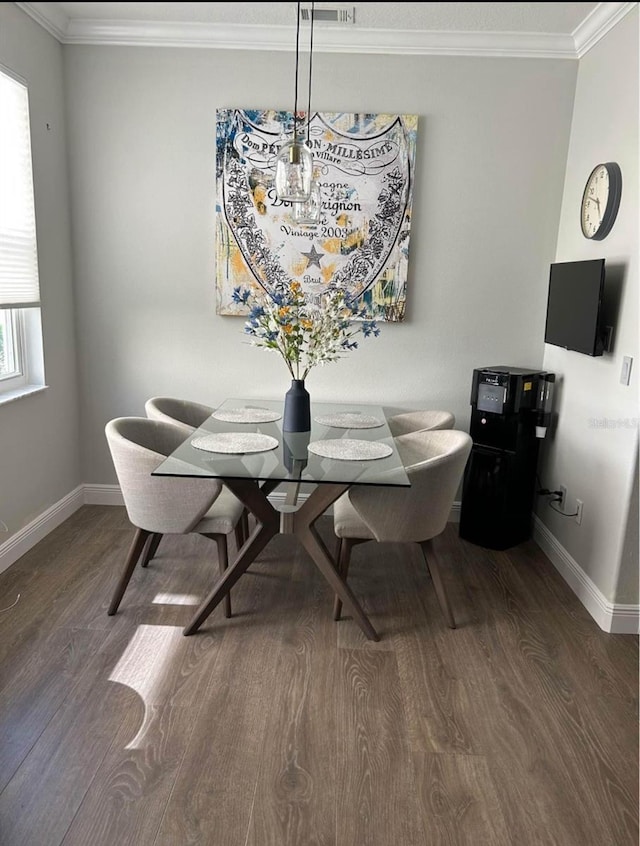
[
  {"x": 329, "y": 39},
  {"x": 388, "y": 42},
  {"x": 597, "y": 24},
  {"x": 50, "y": 16}
]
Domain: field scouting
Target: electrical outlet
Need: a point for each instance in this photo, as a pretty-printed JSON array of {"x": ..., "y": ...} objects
[
  {"x": 563, "y": 497},
  {"x": 578, "y": 517}
]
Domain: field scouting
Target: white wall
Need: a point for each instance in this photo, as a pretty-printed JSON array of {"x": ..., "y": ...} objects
[
  {"x": 492, "y": 147},
  {"x": 39, "y": 460},
  {"x": 594, "y": 450}
]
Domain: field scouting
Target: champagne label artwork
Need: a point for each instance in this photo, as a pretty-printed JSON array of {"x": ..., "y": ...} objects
[{"x": 364, "y": 165}]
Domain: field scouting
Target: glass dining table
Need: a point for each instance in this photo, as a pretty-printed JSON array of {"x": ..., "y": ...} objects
[{"x": 243, "y": 444}]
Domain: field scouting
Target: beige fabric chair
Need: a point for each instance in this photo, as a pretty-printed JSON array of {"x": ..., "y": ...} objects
[
  {"x": 189, "y": 416},
  {"x": 435, "y": 462},
  {"x": 184, "y": 413},
  {"x": 418, "y": 421},
  {"x": 159, "y": 505}
]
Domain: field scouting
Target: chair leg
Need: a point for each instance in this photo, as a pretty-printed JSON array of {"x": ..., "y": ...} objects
[
  {"x": 244, "y": 522},
  {"x": 223, "y": 562},
  {"x": 241, "y": 530},
  {"x": 434, "y": 569},
  {"x": 343, "y": 557},
  {"x": 336, "y": 554},
  {"x": 137, "y": 545},
  {"x": 150, "y": 548}
]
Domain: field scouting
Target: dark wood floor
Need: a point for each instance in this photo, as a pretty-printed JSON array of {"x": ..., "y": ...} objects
[{"x": 281, "y": 727}]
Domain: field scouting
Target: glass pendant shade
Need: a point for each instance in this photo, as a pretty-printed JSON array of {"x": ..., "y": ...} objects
[
  {"x": 307, "y": 212},
  {"x": 294, "y": 172}
]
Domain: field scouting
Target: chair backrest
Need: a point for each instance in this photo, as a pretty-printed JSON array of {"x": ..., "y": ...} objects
[
  {"x": 435, "y": 462},
  {"x": 161, "y": 504},
  {"x": 184, "y": 413},
  {"x": 416, "y": 421}
]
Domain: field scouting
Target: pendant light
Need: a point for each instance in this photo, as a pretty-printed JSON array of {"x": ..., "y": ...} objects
[
  {"x": 294, "y": 164},
  {"x": 307, "y": 212}
]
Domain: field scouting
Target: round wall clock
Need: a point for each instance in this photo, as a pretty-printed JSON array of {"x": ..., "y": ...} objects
[{"x": 600, "y": 201}]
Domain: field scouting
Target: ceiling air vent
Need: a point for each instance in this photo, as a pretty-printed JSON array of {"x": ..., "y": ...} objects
[{"x": 330, "y": 14}]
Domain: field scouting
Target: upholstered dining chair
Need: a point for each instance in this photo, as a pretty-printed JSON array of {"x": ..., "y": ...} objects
[
  {"x": 189, "y": 416},
  {"x": 434, "y": 461},
  {"x": 164, "y": 505},
  {"x": 417, "y": 421}
]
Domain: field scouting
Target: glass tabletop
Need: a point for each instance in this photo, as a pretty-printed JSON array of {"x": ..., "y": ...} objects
[{"x": 284, "y": 456}]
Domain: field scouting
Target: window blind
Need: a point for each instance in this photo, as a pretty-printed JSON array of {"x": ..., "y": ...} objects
[{"x": 19, "y": 285}]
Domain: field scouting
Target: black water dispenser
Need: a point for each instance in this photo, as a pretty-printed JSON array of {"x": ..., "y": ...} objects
[{"x": 510, "y": 411}]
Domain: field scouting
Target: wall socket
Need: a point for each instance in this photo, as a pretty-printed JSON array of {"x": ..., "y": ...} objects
[
  {"x": 578, "y": 517},
  {"x": 563, "y": 497}
]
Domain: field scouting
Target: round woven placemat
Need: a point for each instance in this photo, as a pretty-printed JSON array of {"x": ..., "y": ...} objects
[
  {"x": 348, "y": 449},
  {"x": 234, "y": 442},
  {"x": 349, "y": 420},
  {"x": 249, "y": 414}
]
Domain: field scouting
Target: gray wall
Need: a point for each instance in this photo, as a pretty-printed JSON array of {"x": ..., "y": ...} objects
[
  {"x": 492, "y": 147},
  {"x": 594, "y": 448},
  {"x": 39, "y": 459}
]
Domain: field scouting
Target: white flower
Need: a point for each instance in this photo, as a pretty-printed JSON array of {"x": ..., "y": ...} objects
[{"x": 305, "y": 334}]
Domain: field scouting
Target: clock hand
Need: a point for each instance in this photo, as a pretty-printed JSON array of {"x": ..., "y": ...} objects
[{"x": 596, "y": 201}]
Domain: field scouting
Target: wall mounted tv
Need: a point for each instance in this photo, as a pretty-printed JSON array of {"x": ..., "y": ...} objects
[{"x": 574, "y": 306}]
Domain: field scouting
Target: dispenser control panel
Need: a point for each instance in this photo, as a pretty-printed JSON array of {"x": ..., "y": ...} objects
[
  {"x": 502, "y": 390},
  {"x": 491, "y": 398}
]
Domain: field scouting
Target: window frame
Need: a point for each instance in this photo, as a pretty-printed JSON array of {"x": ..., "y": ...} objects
[{"x": 27, "y": 346}]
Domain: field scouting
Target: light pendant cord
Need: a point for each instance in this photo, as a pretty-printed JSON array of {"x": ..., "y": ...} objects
[
  {"x": 295, "y": 107},
  {"x": 310, "y": 68}
]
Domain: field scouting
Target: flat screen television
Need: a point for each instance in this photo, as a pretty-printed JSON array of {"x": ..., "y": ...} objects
[{"x": 574, "y": 306}]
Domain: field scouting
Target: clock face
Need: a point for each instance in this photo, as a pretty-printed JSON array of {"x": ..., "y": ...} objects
[
  {"x": 594, "y": 201},
  {"x": 601, "y": 200}
]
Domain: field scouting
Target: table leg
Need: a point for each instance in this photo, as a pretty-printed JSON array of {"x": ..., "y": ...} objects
[
  {"x": 299, "y": 523},
  {"x": 304, "y": 529},
  {"x": 268, "y": 525}
]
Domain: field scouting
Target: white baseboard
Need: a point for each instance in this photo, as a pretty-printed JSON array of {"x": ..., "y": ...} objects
[
  {"x": 278, "y": 497},
  {"x": 31, "y": 534},
  {"x": 612, "y": 617},
  {"x": 110, "y": 495},
  {"x": 102, "y": 495}
]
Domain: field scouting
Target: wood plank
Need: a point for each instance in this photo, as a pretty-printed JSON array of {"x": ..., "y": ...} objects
[
  {"x": 610, "y": 661},
  {"x": 295, "y": 794},
  {"x": 130, "y": 790},
  {"x": 541, "y": 728},
  {"x": 395, "y": 587},
  {"x": 61, "y": 591},
  {"x": 459, "y": 801},
  {"x": 40, "y": 801},
  {"x": 376, "y": 793},
  {"x": 213, "y": 793},
  {"x": 34, "y": 694},
  {"x": 437, "y": 701},
  {"x": 71, "y": 749}
]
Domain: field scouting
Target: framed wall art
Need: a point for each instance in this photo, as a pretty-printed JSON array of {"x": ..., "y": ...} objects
[{"x": 364, "y": 164}]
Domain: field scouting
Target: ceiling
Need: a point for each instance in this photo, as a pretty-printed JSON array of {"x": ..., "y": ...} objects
[
  {"x": 502, "y": 17},
  {"x": 565, "y": 30}
]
